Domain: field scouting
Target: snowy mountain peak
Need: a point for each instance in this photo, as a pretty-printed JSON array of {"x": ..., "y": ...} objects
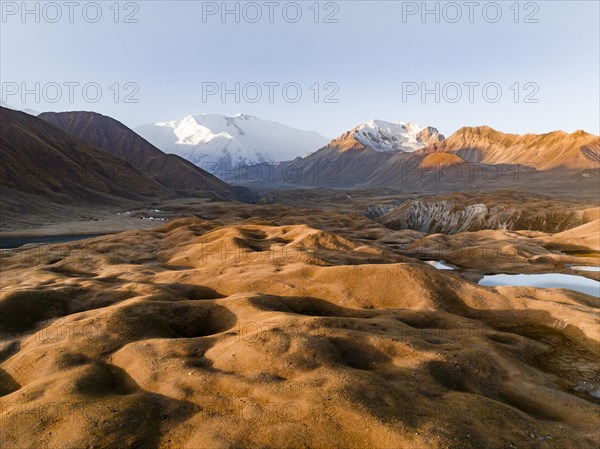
[
  {"x": 209, "y": 139},
  {"x": 395, "y": 136}
]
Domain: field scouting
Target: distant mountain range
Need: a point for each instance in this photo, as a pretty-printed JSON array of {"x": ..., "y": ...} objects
[
  {"x": 354, "y": 158},
  {"x": 88, "y": 158},
  {"x": 376, "y": 153},
  {"x": 171, "y": 171},
  {"x": 403, "y": 154},
  {"x": 43, "y": 164},
  {"x": 212, "y": 140},
  {"x": 548, "y": 151}
]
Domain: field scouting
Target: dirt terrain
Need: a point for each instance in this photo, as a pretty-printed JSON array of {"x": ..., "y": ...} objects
[{"x": 284, "y": 325}]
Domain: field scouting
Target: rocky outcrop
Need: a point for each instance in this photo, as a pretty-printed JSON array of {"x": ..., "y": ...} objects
[
  {"x": 448, "y": 215},
  {"x": 444, "y": 217},
  {"x": 377, "y": 210}
]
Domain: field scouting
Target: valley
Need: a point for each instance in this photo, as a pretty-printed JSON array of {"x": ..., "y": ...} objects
[
  {"x": 169, "y": 308},
  {"x": 300, "y": 225},
  {"x": 245, "y": 323}
]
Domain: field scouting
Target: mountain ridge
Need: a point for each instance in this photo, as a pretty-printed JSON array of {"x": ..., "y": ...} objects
[
  {"x": 169, "y": 170},
  {"x": 552, "y": 150},
  {"x": 41, "y": 162},
  {"x": 346, "y": 162},
  {"x": 215, "y": 142}
]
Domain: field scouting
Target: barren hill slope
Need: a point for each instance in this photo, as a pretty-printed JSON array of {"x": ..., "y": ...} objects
[
  {"x": 557, "y": 149},
  {"x": 41, "y": 162},
  {"x": 170, "y": 170}
]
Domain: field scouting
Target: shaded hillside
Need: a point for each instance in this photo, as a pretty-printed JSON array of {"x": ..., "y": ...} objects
[
  {"x": 330, "y": 167},
  {"x": 170, "y": 170},
  {"x": 42, "y": 162}
]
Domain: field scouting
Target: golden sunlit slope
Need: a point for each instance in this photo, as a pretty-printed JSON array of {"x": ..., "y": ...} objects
[
  {"x": 201, "y": 334},
  {"x": 557, "y": 149}
]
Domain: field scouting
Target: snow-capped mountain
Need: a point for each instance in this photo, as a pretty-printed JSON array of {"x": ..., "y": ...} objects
[
  {"x": 207, "y": 139},
  {"x": 385, "y": 136},
  {"x": 359, "y": 156}
]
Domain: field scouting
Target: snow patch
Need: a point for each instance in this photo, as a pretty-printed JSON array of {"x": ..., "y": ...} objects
[
  {"x": 213, "y": 140},
  {"x": 397, "y": 136}
]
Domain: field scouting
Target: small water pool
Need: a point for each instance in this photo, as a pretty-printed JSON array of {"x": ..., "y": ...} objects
[
  {"x": 546, "y": 280},
  {"x": 16, "y": 242}
]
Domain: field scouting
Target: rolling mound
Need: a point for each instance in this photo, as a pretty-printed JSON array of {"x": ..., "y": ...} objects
[
  {"x": 262, "y": 332},
  {"x": 586, "y": 236}
]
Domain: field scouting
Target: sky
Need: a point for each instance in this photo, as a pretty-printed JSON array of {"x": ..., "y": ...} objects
[{"x": 325, "y": 66}]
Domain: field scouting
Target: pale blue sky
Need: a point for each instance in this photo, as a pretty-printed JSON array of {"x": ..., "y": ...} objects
[{"x": 368, "y": 54}]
